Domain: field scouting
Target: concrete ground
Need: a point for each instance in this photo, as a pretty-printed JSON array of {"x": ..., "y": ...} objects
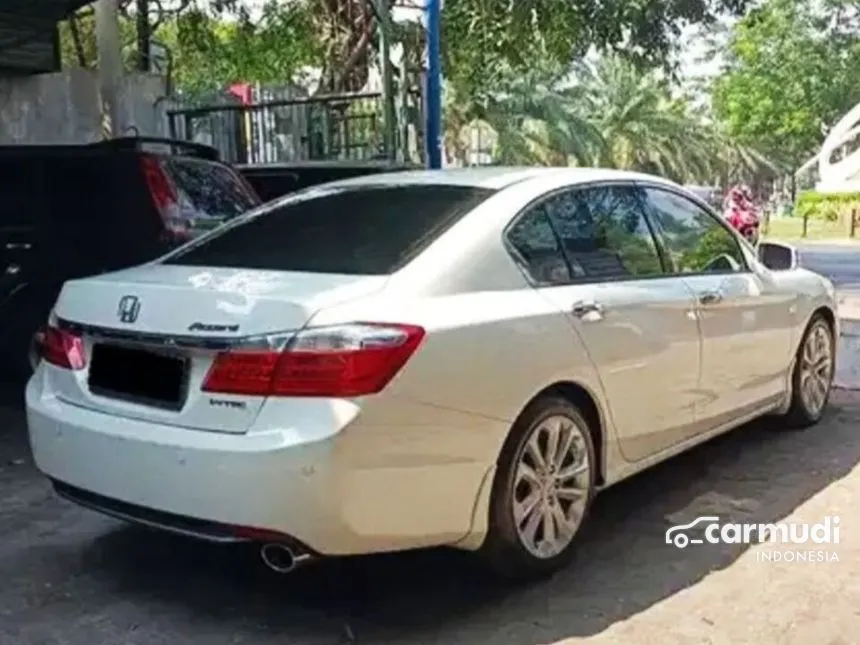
[
  {"x": 70, "y": 577},
  {"x": 73, "y": 578}
]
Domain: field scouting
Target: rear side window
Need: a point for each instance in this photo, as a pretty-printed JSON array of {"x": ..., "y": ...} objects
[
  {"x": 535, "y": 241},
  {"x": 604, "y": 234},
  {"x": 209, "y": 193},
  {"x": 371, "y": 230}
]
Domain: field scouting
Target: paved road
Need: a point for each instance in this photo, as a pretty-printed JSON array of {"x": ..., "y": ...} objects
[{"x": 840, "y": 262}]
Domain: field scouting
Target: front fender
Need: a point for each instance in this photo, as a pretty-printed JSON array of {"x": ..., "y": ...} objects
[{"x": 813, "y": 292}]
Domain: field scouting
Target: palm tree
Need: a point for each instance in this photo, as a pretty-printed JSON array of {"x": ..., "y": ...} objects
[
  {"x": 642, "y": 126},
  {"x": 538, "y": 121},
  {"x": 737, "y": 161},
  {"x": 610, "y": 114},
  {"x": 534, "y": 118}
]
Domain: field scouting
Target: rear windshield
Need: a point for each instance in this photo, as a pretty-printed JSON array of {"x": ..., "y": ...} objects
[
  {"x": 209, "y": 192},
  {"x": 368, "y": 230}
]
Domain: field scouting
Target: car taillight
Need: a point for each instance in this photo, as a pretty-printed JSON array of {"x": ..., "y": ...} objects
[
  {"x": 63, "y": 349},
  {"x": 163, "y": 193},
  {"x": 338, "y": 361}
]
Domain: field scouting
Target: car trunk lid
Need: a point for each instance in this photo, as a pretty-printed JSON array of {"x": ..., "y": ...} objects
[{"x": 150, "y": 335}]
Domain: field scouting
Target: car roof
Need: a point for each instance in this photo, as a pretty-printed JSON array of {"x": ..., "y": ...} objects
[{"x": 496, "y": 177}]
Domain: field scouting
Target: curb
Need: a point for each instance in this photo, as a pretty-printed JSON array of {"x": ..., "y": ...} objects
[{"x": 838, "y": 241}]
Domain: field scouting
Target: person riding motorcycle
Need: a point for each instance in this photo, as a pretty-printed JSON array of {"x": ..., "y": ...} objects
[{"x": 741, "y": 212}]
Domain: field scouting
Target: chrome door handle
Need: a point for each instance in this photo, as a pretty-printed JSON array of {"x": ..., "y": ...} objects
[
  {"x": 710, "y": 297},
  {"x": 581, "y": 309}
]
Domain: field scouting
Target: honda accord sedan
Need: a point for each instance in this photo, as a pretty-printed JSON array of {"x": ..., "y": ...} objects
[{"x": 460, "y": 357}]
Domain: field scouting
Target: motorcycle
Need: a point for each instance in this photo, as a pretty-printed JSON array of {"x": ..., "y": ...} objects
[
  {"x": 747, "y": 223},
  {"x": 742, "y": 214}
]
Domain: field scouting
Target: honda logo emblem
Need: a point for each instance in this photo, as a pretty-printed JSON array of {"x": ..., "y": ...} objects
[{"x": 129, "y": 308}]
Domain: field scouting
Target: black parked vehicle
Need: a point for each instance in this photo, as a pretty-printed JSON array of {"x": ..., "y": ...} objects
[
  {"x": 77, "y": 210},
  {"x": 273, "y": 180}
]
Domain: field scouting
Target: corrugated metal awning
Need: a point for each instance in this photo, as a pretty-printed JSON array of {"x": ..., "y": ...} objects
[{"x": 28, "y": 33}]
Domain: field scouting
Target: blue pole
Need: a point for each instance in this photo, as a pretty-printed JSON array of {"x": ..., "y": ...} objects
[{"x": 433, "y": 127}]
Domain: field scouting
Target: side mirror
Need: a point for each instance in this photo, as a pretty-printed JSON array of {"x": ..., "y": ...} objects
[{"x": 777, "y": 257}]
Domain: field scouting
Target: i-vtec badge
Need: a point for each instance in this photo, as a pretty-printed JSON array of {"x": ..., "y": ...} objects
[
  {"x": 226, "y": 403},
  {"x": 199, "y": 326}
]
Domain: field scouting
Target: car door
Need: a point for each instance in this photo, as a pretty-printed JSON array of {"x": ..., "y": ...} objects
[
  {"x": 23, "y": 212},
  {"x": 590, "y": 252},
  {"x": 17, "y": 248},
  {"x": 746, "y": 334},
  {"x": 23, "y": 257}
]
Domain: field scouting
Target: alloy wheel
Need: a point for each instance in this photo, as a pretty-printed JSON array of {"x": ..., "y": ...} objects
[
  {"x": 816, "y": 369},
  {"x": 551, "y": 486}
]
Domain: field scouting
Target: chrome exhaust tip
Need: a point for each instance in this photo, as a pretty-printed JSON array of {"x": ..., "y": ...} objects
[{"x": 280, "y": 558}]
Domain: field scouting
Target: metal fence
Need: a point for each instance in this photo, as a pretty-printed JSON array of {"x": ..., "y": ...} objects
[{"x": 280, "y": 129}]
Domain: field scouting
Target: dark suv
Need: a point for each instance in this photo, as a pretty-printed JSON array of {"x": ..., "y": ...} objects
[{"x": 78, "y": 210}]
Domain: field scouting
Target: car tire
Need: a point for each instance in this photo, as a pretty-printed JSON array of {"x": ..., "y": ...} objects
[
  {"x": 559, "y": 495},
  {"x": 812, "y": 376}
]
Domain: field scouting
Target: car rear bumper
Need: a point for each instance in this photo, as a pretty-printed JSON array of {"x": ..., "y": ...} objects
[{"x": 229, "y": 487}]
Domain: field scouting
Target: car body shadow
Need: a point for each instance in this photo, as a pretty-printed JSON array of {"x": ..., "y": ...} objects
[{"x": 623, "y": 564}]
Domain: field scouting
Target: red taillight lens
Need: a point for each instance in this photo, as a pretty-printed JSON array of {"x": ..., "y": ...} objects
[
  {"x": 63, "y": 349},
  {"x": 338, "y": 361},
  {"x": 160, "y": 187},
  {"x": 165, "y": 198}
]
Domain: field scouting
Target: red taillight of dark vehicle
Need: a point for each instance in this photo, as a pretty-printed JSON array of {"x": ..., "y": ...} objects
[
  {"x": 164, "y": 196},
  {"x": 63, "y": 349},
  {"x": 160, "y": 187},
  {"x": 340, "y": 361}
]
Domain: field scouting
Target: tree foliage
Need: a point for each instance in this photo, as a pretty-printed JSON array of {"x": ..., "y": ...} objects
[
  {"x": 211, "y": 52},
  {"x": 211, "y": 44},
  {"x": 486, "y": 39},
  {"x": 793, "y": 71},
  {"x": 610, "y": 113}
]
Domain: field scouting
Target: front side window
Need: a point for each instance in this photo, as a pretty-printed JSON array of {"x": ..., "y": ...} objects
[
  {"x": 603, "y": 233},
  {"x": 695, "y": 241},
  {"x": 361, "y": 230}
]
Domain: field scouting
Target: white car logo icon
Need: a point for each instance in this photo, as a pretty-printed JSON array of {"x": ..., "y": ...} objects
[{"x": 675, "y": 535}]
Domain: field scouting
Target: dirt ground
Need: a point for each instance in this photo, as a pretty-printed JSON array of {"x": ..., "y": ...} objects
[{"x": 70, "y": 577}]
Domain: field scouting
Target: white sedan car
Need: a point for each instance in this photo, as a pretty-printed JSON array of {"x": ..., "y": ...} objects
[{"x": 460, "y": 357}]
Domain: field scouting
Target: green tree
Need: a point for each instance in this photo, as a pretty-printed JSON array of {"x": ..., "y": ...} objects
[
  {"x": 538, "y": 118},
  {"x": 643, "y": 127},
  {"x": 78, "y": 40},
  {"x": 211, "y": 44},
  {"x": 210, "y": 52},
  {"x": 611, "y": 114},
  {"x": 485, "y": 39},
  {"x": 793, "y": 70}
]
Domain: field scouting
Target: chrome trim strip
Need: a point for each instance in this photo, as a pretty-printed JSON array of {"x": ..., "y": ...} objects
[{"x": 167, "y": 341}]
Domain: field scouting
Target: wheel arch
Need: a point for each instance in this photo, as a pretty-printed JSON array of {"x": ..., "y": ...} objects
[
  {"x": 587, "y": 403},
  {"x": 830, "y": 318}
]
